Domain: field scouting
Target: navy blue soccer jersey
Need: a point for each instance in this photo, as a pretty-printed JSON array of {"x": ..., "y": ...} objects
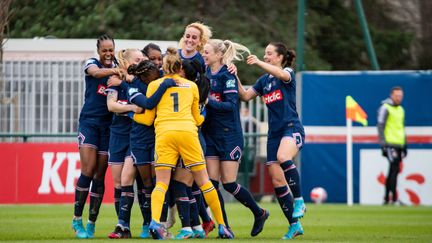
[
  {"x": 223, "y": 106},
  {"x": 197, "y": 57},
  {"x": 141, "y": 134},
  {"x": 121, "y": 123},
  {"x": 280, "y": 98},
  {"x": 95, "y": 102}
]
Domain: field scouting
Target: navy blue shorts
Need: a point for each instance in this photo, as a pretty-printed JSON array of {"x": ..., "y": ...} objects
[
  {"x": 118, "y": 149},
  {"x": 226, "y": 148},
  {"x": 94, "y": 135},
  {"x": 274, "y": 139},
  {"x": 143, "y": 155}
]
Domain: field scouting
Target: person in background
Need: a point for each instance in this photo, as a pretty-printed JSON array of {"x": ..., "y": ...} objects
[
  {"x": 285, "y": 133},
  {"x": 392, "y": 138},
  {"x": 93, "y": 136}
]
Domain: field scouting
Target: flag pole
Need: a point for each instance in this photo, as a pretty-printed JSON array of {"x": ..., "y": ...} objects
[{"x": 349, "y": 164}]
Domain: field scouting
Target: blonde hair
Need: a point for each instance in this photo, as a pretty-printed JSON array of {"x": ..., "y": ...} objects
[
  {"x": 205, "y": 35},
  {"x": 231, "y": 51},
  {"x": 124, "y": 57},
  {"x": 171, "y": 61}
]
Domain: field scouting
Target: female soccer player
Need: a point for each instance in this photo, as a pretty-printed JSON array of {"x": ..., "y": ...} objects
[
  {"x": 93, "y": 136},
  {"x": 191, "y": 44},
  {"x": 121, "y": 124},
  {"x": 222, "y": 128},
  {"x": 286, "y": 133},
  {"x": 140, "y": 149},
  {"x": 176, "y": 135},
  {"x": 154, "y": 54},
  {"x": 182, "y": 180}
]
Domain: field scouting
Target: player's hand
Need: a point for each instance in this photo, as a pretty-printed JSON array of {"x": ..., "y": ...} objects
[
  {"x": 232, "y": 68},
  {"x": 252, "y": 59},
  {"x": 384, "y": 151},
  {"x": 137, "y": 109},
  {"x": 169, "y": 82},
  {"x": 114, "y": 80}
]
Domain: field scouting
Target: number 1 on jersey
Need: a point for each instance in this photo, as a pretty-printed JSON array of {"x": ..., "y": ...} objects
[{"x": 175, "y": 101}]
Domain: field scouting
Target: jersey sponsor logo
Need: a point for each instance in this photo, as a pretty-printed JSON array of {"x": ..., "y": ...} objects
[
  {"x": 273, "y": 97},
  {"x": 102, "y": 89},
  {"x": 216, "y": 96},
  {"x": 230, "y": 83}
]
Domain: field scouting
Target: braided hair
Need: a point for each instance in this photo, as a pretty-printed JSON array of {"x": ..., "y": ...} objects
[
  {"x": 145, "y": 70},
  {"x": 193, "y": 71}
]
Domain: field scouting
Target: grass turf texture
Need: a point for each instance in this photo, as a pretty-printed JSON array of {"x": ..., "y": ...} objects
[{"x": 322, "y": 223}]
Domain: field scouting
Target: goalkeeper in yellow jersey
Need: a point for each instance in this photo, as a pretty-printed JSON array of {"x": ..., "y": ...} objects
[{"x": 176, "y": 118}]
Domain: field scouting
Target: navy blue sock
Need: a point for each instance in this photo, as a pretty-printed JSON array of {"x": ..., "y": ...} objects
[
  {"x": 81, "y": 191},
  {"x": 126, "y": 202},
  {"x": 140, "y": 194},
  {"x": 117, "y": 195},
  {"x": 216, "y": 186},
  {"x": 182, "y": 201},
  {"x": 96, "y": 196},
  {"x": 286, "y": 201},
  {"x": 292, "y": 177},
  {"x": 243, "y": 196},
  {"x": 194, "y": 215},
  {"x": 200, "y": 202},
  {"x": 147, "y": 204}
]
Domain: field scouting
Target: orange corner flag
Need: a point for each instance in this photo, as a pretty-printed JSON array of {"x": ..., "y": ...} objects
[{"x": 355, "y": 112}]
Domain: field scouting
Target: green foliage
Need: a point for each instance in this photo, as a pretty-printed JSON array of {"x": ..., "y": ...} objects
[{"x": 334, "y": 40}]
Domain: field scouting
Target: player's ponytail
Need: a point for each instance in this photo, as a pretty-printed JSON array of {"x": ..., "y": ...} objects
[
  {"x": 288, "y": 55},
  {"x": 171, "y": 61},
  {"x": 231, "y": 51}
]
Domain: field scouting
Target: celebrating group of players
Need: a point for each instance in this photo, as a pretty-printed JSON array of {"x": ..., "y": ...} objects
[{"x": 172, "y": 125}]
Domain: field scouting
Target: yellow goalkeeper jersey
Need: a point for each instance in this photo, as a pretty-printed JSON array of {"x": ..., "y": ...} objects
[{"x": 178, "y": 108}]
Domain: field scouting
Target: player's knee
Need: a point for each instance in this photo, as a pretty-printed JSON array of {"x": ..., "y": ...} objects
[{"x": 230, "y": 187}]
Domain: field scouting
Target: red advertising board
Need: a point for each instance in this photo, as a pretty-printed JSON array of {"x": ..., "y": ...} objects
[{"x": 42, "y": 173}]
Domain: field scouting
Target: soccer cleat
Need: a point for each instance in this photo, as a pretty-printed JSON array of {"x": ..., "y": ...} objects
[
  {"x": 184, "y": 234},
  {"x": 208, "y": 227},
  {"x": 157, "y": 231},
  {"x": 299, "y": 208},
  {"x": 120, "y": 233},
  {"x": 294, "y": 230},
  {"x": 90, "y": 228},
  {"x": 199, "y": 234},
  {"x": 78, "y": 227},
  {"x": 145, "y": 232},
  {"x": 259, "y": 223},
  {"x": 225, "y": 233}
]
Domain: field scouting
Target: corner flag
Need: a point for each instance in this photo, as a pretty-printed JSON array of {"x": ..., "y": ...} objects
[{"x": 355, "y": 112}]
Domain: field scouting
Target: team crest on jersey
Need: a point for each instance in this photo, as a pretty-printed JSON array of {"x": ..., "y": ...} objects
[
  {"x": 132, "y": 91},
  {"x": 230, "y": 83},
  {"x": 273, "y": 96},
  {"x": 268, "y": 87},
  {"x": 102, "y": 89}
]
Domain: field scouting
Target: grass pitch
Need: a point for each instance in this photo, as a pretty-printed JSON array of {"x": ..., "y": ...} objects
[{"x": 322, "y": 223}]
